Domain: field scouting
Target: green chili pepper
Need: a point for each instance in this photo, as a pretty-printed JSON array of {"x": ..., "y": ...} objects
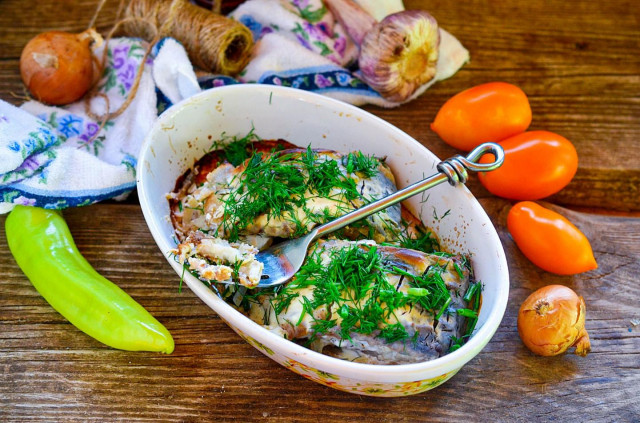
[{"x": 42, "y": 245}]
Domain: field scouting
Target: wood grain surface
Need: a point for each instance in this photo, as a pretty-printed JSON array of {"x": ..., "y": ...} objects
[
  {"x": 52, "y": 371},
  {"x": 579, "y": 62}
]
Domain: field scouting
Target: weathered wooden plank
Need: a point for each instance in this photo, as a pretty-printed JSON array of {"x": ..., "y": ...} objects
[
  {"x": 578, "y": 61},
  {"x": 581, "y": 79},
  {"x": 52, "y": 371}
]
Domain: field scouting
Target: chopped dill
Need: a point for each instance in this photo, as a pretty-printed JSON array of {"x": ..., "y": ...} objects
[
  {"x": 354, "y": 281},
  {"x": 424, "y": 241},
  {"x": 236, "y": 150},
  {"x": 279, "y": 184},
  {"x": 352, "y": 284},
  {"x": 184, "y": 269},
  {"x": 472, "y": 298},
  {"x": 435, "y": 214},
  {"x": 358, "y": 162},
  {"x": 443, "y": 309}
]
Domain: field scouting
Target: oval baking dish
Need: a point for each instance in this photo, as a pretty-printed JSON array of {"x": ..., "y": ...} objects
[{"x": 184, "y": 132}]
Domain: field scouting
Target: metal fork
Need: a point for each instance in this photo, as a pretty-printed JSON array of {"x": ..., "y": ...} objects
[{"x": 283, "y": 260}]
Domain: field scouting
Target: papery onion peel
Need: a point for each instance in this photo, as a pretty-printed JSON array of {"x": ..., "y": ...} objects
[
  {"x": 551, "y": 320},
  {"x": 57, "y": 67}
]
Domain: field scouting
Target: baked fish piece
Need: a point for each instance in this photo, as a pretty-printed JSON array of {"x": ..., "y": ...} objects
[
  {"x": 365, "y": 302},
  {"x": 284, "y": 194}
]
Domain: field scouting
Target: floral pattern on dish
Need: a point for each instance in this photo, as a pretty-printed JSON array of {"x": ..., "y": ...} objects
[{"x": 343, "y": 383}]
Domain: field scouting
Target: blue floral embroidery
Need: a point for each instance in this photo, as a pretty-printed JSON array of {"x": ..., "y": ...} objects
[
  {"x": 254, "y": 26},
  {"x": 300, "y": 82},
  {"x": 214, "y": 81},
  {"x": 14, "y": 146},
  {"x": 344, "y": 79},
  {"x": 70, "y": 125},
  {"x": 53, "y": 201},
  {"x": 129, "y": 162},
  {"x": 334, "y": 79}
]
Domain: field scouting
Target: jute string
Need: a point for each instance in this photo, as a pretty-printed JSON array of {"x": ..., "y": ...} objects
[{"x": 213, "y": 42}]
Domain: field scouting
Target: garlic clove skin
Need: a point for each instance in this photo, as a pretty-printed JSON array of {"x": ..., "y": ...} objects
[
  {"x": 400, "y": 54},
  {"x": 355, "y": 20},
  {"x": 380, "y": 9}
]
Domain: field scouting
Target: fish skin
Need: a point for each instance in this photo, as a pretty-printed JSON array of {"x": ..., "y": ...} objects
[{"x": 434, "y": 337}]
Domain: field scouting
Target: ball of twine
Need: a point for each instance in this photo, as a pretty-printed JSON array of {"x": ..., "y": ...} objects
[{"x": 214, "y": 42}]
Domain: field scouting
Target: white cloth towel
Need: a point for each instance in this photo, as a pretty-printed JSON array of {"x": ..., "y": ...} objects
[
  {"x": 58, "y": 157},
  {"x": 299, "y": 44}
]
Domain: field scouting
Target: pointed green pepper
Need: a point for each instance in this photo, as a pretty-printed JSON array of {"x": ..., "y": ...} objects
[{"x": 43, "y": 247}]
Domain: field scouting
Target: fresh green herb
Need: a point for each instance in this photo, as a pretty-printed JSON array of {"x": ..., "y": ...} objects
[
  {"x": 472, "y": 298},
  {"x": 435, "y": 214},
  {"x": 353, "y": 281},
  {"x": 424, "y": 241},
  {"x": 418, "y": 292},
  {"x": 431, "y": 281},
  {"x": 184, "y": 269},
  {"x": 443, "y": 308},
  {"x": 267, "y": 186},
  {"x": 466, "y": 312},
  {"x": 458, "y": 270},
  {"x": 358, "y": 162},
  {"x": 236, "y": 150},
  {"x": 393, "y": 333},
  {"x": 471, "y": 291},
  {"x": 456, "y": 343},
  {"x": 279, "y": 184}
]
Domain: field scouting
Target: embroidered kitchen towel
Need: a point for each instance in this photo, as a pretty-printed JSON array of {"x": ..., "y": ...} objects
[
  {"x": 300, "y": 44},
  {"x": 58, "y": 157}
]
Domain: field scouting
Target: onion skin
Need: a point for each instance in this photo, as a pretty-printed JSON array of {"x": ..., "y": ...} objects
[
  {"x": 57, "y": 67},
  {"x": 551, "y": 320}
]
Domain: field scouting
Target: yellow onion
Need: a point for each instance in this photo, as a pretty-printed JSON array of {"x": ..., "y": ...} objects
[
  {"x": 551, "y": 320},
  {"x": 57, "y": 67}
]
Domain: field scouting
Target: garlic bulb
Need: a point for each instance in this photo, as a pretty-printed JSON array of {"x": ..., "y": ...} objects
[
  {"x": 398, "y": 54},
  {"x": 355, "y": 20}
]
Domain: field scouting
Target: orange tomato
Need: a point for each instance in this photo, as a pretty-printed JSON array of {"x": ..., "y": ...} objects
[
  {"x": 549, "y": 240},
  {"x": 536, "y": 165},
  {"x": 487, "y": 112}
]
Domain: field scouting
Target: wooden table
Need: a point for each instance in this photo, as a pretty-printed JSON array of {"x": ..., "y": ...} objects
[{"x": 579, "y": 62}]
